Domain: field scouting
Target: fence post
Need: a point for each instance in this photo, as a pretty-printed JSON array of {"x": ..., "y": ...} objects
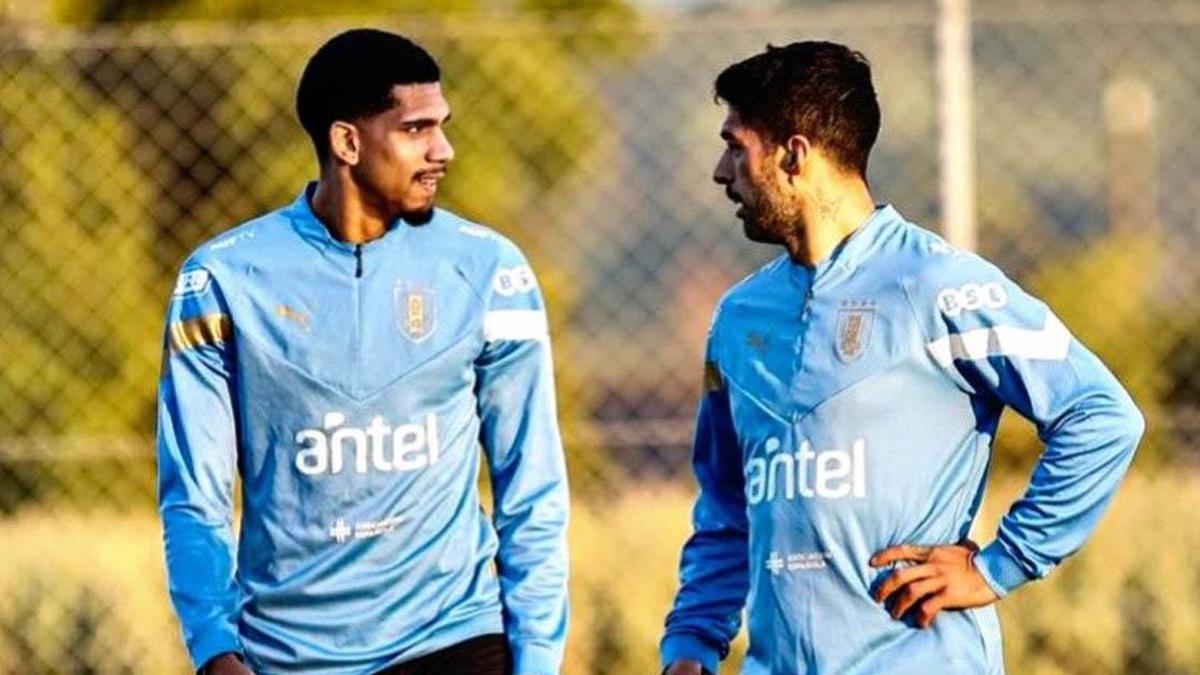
[
  {"x": 1129, "y": 110},
  {"x": 956, "y": 139}
]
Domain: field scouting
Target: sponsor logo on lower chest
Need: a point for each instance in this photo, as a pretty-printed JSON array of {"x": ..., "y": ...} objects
[
  {"x": 806, "y": 473},
  {"x": 378, "y": 447}
]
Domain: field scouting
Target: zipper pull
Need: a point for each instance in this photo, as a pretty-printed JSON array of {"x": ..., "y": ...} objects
[{"x": 358, "y": 261}]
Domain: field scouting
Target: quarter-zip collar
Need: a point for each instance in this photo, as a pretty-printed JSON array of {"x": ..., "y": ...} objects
[
  {"x": 851, "y": 252},
  {"x": 316, "y": 233}
]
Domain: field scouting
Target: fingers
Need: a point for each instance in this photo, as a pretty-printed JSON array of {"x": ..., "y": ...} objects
[
  {"x": 914, "y": 593},
  {"x": 928, "y": 610},
  {"x": 897, "y": 553},
  {"x": 945, "y": 578},
  {"x": 901, "y": 577}
]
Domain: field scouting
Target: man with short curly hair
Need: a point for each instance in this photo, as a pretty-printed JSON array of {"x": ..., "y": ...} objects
[{"x": 346, "y": 356}]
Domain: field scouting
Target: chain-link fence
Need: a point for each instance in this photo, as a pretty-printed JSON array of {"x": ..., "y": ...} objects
[{"x": 590, "y": 141}]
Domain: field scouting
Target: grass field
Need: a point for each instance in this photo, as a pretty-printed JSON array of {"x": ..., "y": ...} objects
[{"x": 89, "y": 589}]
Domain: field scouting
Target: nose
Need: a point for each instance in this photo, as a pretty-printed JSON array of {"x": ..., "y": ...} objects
[
  {"x": 441, "y": 150},
  {"x": 722, "y": 172}
]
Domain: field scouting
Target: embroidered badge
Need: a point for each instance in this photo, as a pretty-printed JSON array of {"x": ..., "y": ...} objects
[
  {"x": 416, "y": 311},
  {"x": 854, "y": 329}
]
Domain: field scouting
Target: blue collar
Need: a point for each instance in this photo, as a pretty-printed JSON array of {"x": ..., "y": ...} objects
[
  {"x": 852, "y": 250},
  {"x": 312, "y": 229}
]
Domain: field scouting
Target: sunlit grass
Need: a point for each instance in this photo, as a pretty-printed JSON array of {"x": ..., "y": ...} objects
[{"x": 90, "y": 588}]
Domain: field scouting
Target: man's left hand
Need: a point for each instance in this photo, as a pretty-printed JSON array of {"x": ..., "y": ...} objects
[{"x": 943, "y": 577}]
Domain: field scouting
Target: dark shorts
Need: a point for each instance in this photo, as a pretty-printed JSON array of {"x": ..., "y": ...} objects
[{"x": 483, "y": 655}]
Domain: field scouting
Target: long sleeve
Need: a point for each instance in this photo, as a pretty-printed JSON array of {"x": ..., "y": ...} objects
[
  {"x": 1008, "y": 348},
  {"x": 197, "y": 460},
  {"x": 519, "y": 433},
  {"x": 714, "y": 571}
]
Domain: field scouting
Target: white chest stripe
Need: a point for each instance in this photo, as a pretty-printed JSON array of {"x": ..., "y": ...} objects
[
  {"x": 1048, "y": 344},
  {"x": 515, "y": 324}
]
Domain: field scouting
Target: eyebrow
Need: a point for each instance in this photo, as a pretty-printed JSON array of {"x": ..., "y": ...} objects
[{"x": 425, "y": 121}]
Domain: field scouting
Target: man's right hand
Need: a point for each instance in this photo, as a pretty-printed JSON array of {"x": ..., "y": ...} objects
[
  {"x": 685, "y": 667},
  {"x": 225, "y": 664}
]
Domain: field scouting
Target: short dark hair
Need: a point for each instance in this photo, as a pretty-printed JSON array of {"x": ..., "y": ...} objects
[
  {"x": 821, "y": 90},
  {"x": 351, "y": 77}
]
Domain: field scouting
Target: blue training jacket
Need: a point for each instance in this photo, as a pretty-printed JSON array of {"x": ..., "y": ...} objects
[
  {"x": 852, "y": 407},
  {"x": 351, "y": 387}
]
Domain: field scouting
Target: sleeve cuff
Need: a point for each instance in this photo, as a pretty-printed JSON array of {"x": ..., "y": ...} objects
[
  {"x": 212, "y": 641},
  {"x": 1002, "y": 572},
  {"x": 531, "y": 658},
  {"x": 689, "y": 646}
]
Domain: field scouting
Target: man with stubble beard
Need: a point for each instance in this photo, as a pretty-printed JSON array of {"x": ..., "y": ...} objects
[
  {"x": 346, "y": 357},
  {"x": 853, "y": 387}
]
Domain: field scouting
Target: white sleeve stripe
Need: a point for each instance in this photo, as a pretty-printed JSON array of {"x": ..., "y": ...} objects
[
  {"x": 1051, "y": 343},
  {"x": 515, "y": 324}
]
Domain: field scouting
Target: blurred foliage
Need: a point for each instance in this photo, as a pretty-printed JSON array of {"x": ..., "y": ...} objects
[
  {"x": 105, "y": 11},
  {"x": 72, "y": 605},
  {"x": 1128, "y": 603},
  {"x": 624, "y": 575},
  {"x": 104, "y": 474},
  {"x": 80, "y": 334}
]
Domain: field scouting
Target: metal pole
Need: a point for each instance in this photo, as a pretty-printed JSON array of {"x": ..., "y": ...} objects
[
  {"x": 1129, "y": 110},
  {"x": 957, "y": 143}
]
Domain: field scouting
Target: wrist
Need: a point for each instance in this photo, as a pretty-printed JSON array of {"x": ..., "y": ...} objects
[
  {"x": 703, "y": 670},
  {"x": 1001, "y": 571},
  {"x": 210, "y": 666},
  {"x": 536, "y": 658},
  {"x": 690, "y": 647}
]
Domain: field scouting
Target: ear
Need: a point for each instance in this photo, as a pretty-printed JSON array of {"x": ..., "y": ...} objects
[
  {"x": 344, "y": 144},
  {"x": 795, "y": 151}
]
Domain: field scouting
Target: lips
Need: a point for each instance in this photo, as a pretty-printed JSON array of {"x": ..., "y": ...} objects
[
  {"x": 733, "y": 197},
  {"x": 429, "y": 179}
]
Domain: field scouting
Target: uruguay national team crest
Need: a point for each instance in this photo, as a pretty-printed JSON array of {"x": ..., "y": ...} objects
[
  {"x": 854, "y": 328},
  {"x": 416, "y": 311}
]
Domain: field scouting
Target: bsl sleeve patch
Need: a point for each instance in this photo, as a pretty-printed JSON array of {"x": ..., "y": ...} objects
[{"x": 191, "y": 283}]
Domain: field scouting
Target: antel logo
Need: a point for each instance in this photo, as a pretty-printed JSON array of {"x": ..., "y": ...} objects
[
  {"x": 807, "y": 473},
  {"x": 376, "y": 447}
]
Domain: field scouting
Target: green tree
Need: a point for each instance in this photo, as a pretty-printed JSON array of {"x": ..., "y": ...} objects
[
  {"x": 81, "y": 337},
  {"x": 81, "y": 330}
]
